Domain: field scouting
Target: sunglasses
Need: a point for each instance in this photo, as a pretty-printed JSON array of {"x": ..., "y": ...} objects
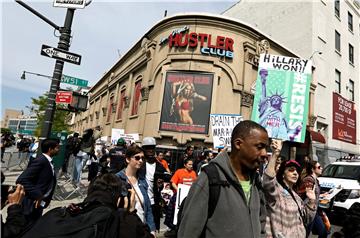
[
  {"x": 138, "y": 157},
  {"x": 319, "y": 167}
]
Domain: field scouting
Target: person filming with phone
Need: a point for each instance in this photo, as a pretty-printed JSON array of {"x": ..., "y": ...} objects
[{"x": 15, "y": 221}]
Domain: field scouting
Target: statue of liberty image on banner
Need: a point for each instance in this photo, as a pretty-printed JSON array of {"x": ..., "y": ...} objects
[{"x": 281, "y": 100}]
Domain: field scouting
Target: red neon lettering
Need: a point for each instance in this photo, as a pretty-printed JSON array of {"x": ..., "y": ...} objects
[
  {"x": 202, "y": 38},
  {"x": 220, "y": 43},
  {"x": 193, "y": 39},
  {"x": 229, "y": 44}
]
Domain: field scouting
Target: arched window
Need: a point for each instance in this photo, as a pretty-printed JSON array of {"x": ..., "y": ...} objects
[
  {"x": 136, "y": 98},
  {"x": 121, "y": 103}
]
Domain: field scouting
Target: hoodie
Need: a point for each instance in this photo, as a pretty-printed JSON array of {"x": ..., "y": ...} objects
[{"x": 232, "y": 217}]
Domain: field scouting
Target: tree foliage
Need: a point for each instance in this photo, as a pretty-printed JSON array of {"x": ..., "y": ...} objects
[{"x": 59, "y": 121}]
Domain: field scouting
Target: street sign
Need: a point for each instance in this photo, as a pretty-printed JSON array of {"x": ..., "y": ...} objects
[
  {"x": 59, "y": 54},
  {"x": 74, "y": 81},
  {"x": 64, "y": 97},
  {"x": 69, "y": 3}
]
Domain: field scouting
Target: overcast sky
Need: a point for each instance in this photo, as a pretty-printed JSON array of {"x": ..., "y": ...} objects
[{"x": 100, "y": 32}]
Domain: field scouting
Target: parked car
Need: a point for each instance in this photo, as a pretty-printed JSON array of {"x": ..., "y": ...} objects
[{"x": 340, "y": 182}]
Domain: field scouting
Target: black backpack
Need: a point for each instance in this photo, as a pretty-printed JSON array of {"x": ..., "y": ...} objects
[
  {"x": 83, "y": 220},
  {"x": 215, "y": 185}
]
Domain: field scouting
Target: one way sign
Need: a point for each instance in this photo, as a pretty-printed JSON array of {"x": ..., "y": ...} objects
[{"x": 59, "y": 54}]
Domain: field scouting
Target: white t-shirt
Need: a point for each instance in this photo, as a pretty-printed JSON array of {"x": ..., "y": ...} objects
[
  {"x": 150, "y": 172},
  {"x": 139, "y": 209}
]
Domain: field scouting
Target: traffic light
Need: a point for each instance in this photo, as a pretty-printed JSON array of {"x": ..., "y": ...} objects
[{"x": 78, "y": 103}]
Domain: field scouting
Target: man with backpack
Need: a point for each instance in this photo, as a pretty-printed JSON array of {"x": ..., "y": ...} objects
[{"x": 226, "y": 200}]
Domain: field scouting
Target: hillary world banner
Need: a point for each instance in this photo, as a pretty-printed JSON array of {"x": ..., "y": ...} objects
[
  {"x": 186, "y": 102},
  {"x": 282, "y": 96}
]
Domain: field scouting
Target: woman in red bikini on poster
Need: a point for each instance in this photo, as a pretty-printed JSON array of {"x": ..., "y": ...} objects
[{"x": 183, "y": 101}]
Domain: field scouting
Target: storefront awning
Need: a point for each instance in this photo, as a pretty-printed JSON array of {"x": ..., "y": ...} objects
[{"x": 317, "y": 136}]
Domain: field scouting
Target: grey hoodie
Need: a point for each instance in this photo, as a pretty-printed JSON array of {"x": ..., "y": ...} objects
[{"x": 232, "y": 217}]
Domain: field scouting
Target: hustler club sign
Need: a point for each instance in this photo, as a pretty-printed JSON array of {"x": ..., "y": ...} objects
[{"x": 209, "y": 45}]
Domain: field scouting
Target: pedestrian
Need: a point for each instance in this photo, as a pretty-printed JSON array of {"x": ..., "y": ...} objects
[
  {"x": 117, "y": 156},
  {"x": 240, "y": 208},
  {"x": 207, "y": 156},
  {"x": 72, "y": 144},
  {"x": 107, "y": 211},
  {"x": 134, "y": 160},
  {"x": 155, "y": 175},
  {"x": 189, "y": 154},
  {"x": 15, "y": 220},
  {"x": 184, "y": 176},
  {"x": 313, "y": 171},
  {"x": 160, "y": 159},
  {"x": 39, "y": 181},
  {"x": 33, "y": 149},
  {"x": 287, "y": 214},
  {"x": 86, "y": 152}
]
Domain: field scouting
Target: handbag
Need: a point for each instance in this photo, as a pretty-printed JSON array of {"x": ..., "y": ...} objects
[{"x": 325, "y": 220}]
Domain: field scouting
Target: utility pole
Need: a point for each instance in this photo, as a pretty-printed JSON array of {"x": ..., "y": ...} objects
[{"x": 64, "y": 44}]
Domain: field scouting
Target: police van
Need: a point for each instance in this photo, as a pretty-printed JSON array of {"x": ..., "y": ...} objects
[{"x": 340, "y": 184}]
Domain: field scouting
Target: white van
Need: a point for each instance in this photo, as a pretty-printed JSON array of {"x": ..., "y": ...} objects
[{"x": 341, "y": 180}]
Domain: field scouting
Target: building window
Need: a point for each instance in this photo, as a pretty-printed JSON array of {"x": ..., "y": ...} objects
[
  {"x": 351, "y": 54},
  {"x": 351, "y": 90},
  {"x": 350, "y": 22},
  {"x": 121, "y": 104},
  {"x": 136, "y": 99},
  {"x": 338, "y": 81},
  {"x": 111, "y": 104},
  {"x": 337, "y": 8},
  {"x": 337, "y": 41}
]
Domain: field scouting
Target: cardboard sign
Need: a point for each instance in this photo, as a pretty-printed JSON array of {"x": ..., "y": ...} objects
[{"x": 222, "y": 126}]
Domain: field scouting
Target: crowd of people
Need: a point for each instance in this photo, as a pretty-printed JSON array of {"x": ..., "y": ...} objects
[{"x": 247, "y": 192}]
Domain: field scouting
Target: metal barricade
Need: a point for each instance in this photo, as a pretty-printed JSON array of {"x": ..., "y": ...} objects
[
  {"x": 66, "y": 187},
  {"x": 15, "y": 160}
]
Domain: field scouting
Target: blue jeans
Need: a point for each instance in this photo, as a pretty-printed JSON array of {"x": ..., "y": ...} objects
[
  {"x": 317, "y": 227},
  {"x": 77, "y": 169}
]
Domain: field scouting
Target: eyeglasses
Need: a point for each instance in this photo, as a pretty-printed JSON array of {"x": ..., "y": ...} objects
[
  {"x": 319, "y": 167},
  {"x": 138, "y": 157}
]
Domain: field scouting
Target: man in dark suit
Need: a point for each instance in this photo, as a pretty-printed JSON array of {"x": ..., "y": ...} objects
[{"x": 39, "y": 181}]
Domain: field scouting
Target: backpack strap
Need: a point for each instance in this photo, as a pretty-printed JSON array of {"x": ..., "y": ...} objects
[{"x": 215, "y": 184}]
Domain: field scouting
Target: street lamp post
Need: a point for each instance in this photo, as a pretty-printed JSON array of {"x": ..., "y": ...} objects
[{"x": 41, "y": 75}]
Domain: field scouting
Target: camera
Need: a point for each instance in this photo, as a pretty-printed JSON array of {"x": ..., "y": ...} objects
[{"x": 125, "y": 193}]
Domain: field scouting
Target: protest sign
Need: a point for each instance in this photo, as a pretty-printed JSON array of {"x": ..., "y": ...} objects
[
  {"x": 182, "y": 193},
  {"x": 120, "y": 133},
  {"x": 221, "y": 128},
  {"x": 282, "y": 96},
  {"x": 116, "y": 134}
]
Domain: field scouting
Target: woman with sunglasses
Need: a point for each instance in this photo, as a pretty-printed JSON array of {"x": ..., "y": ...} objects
[
  {"x": 135, "y": 160},
  {"x": 287, "y": 213},
  {"x": 312, "y": 171}
]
